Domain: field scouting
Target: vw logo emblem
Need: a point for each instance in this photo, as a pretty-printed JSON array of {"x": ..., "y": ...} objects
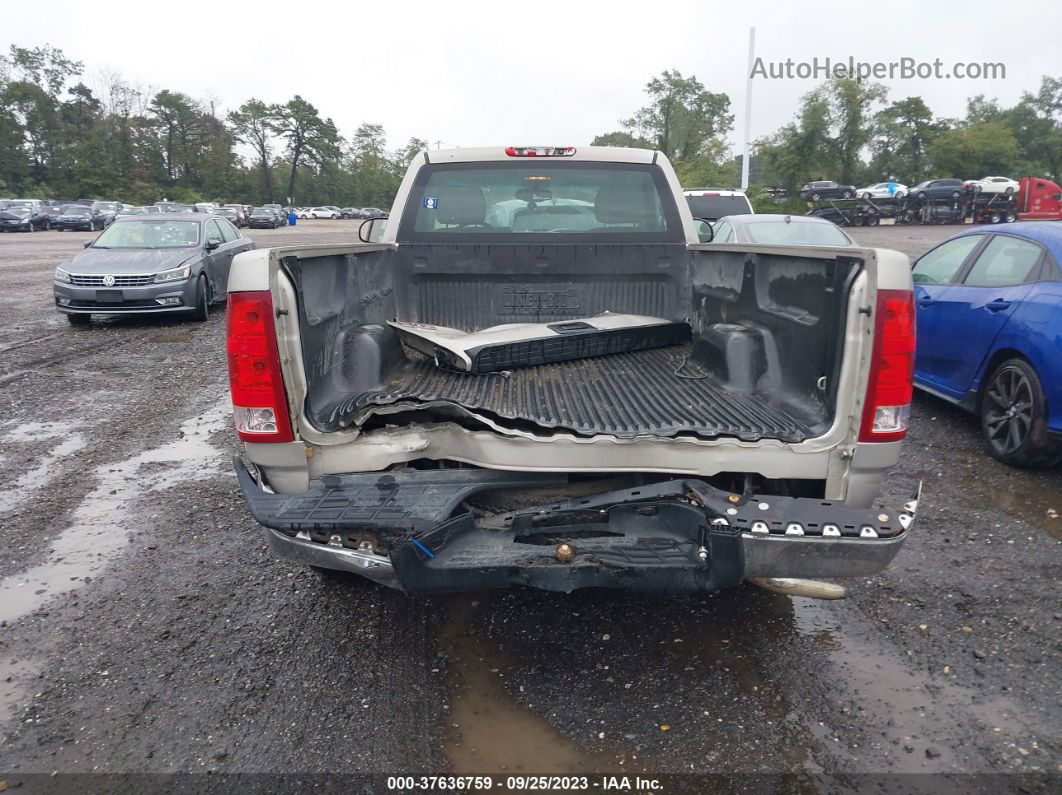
[{"x": 108, "y": 281}]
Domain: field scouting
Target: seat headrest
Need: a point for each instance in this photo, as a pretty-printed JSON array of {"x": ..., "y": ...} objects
[
  {"x": 461, "y": 205},
  {"x": 618, "y": 204}
]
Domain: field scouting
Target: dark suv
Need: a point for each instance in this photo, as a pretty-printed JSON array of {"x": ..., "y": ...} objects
[
  {"x": 938, "y": 189},
  {"x": 826, "y": 189}
]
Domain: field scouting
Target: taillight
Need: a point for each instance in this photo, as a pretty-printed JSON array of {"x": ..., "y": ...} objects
[
  {"x": 259, "y": 403},
  {"x": 540, "y": 151},
  {"x": 890, "y": 384}
]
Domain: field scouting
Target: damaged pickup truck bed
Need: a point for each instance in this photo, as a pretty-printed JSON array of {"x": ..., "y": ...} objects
[{"x": 534, "y": 373}]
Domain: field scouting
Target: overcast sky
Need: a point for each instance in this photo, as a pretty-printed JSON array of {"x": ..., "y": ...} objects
[{"x": 529, "y": 72}]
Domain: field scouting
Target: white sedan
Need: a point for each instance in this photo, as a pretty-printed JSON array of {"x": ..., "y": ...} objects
[
  {"x": 880, "y": 190},
  {"x": 318, "y": 212},
  {"x": 994, "y": 185}
]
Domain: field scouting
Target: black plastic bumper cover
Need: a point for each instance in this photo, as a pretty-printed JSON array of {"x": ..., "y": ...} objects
[{"x": 677, "y": 536}]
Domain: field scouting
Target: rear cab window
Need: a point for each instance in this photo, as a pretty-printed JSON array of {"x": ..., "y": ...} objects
[{"x": 548, "y": 201}]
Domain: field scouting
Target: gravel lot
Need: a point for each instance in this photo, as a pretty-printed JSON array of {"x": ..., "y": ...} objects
[{"x": 144, "y": 627}]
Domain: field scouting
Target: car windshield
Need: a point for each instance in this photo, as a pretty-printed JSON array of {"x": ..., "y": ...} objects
[
  {"x": 261, "y": 211},
  {"x": 510, "y": 199},
  {"x": 77, "y": 210},
  {"x": 797, "y": 233},
  {"x": 20, "y": 203},
  {"x": 104, "y": 205},
  {"x": 715, "y": 207},
  {"x": 150, "y": 234},
  {"x": 17, "y": 210}
]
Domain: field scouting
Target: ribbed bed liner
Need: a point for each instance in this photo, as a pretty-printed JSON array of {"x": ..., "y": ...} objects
[{"x": 624, "y": 395}]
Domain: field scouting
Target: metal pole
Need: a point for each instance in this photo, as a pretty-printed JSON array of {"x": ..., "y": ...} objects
[{"x": 748, "y": 112}]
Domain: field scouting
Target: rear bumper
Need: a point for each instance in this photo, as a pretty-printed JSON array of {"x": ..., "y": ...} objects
[{"x": 678, "y": 536}]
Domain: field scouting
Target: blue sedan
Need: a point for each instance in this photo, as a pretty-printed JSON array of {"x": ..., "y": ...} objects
[{"x": 990, "y": 335}]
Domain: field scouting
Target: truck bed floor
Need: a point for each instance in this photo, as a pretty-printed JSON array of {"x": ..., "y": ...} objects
[{"x": 623, "y": 395}]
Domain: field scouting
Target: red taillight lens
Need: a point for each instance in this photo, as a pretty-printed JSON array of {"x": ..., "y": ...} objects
[
  {"x": 890, "y": 384},
  {"x": 259, "y": 403},
  {"x": 540, "y": 151}
]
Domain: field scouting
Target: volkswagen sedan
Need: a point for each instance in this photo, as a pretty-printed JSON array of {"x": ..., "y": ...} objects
[{"x": 165, "y": 262}]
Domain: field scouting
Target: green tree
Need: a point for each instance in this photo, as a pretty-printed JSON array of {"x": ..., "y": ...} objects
[
  {"x": 253, "y": 125},
  {"x": 180, "y": 121},
  {"x": 974, "y": 151},
  {"x": 802, "y": 149},
  {"x": 902, "y": 132},
  {"x": 309, "y": 138},
  {"x": 681, "y": 116},
  {"x": 1036, "y": 122},
  {"x": 850, "y": 118}
]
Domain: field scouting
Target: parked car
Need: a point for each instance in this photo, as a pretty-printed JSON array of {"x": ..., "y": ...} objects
[
  {"x": 994, "y": 185},
  {"x": 771, "y": 229},
  {"x": 826, "y": 189},
  {"x": 724, "y": 369},
  {"x": 205, "y": 207},
  {"x": 109, "y": 210},
  {"x": 264, "y": 218},
  {"x": 128, "y": 209},
  {"x": 710, "y": 204},
  {"x": 319, "y": 212},
  {"x": 32, "y": 215},
  {"x": 53, "y": 208},
  {"x": 167, "y": 262},
  {"x": 241, "y": 213},
  {"x": 880, "y": 190},
  {"x": 281, "y": 212},
  {"x": 78, "y": 217},
  {"x": 230, "y": 215},
  {"x": 16, "y": 219},
  {"x": 349, "y": 212},
  {"x": 938, "y": 189},
  {"x": 989, "y": 313},
  {"x": 373, "y": 212}
]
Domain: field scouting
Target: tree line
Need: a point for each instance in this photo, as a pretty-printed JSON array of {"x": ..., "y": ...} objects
[
  {"x": 59, "y": 138},
  {"x": 849, "y": 131}
]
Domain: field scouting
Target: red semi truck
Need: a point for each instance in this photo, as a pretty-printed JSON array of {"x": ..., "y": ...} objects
[{"x": 1038, "y": 199}]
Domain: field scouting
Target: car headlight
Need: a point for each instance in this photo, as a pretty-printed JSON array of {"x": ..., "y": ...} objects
[
  {"x": 173, "y": 274},
  {"x": 62, "y": 276}
]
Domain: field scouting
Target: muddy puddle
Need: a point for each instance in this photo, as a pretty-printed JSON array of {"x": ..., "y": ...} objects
[
  {"x": 15, "y": 677},
  {"x": 101, "y": 523},
  {"x": 1038, "y": 505},
  {"x": 55, "y": 441},
  {"x": 904, "y": 705},
  {"x": 489, "y": 729}
]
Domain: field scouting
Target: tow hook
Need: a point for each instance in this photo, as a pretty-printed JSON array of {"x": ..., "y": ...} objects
[{"x": 812, "y": 589}]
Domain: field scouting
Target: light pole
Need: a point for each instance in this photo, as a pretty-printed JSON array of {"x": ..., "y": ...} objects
[{"x": 748, "y": 112}]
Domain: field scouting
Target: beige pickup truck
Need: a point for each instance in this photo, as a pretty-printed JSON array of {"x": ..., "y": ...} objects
[{"x": 536, "y": 373}]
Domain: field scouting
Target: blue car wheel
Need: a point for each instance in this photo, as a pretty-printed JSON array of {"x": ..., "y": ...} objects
[{"x": 1014, "y": 417}]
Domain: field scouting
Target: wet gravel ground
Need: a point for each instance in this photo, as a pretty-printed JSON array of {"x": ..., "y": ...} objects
[{"x": 145, "y": 628}]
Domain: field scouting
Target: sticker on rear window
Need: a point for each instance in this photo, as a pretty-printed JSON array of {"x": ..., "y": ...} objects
[{"x": 431, "y": 202}]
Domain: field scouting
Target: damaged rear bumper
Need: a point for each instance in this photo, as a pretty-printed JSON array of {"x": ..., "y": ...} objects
[{"x": 399, "y": 529}]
